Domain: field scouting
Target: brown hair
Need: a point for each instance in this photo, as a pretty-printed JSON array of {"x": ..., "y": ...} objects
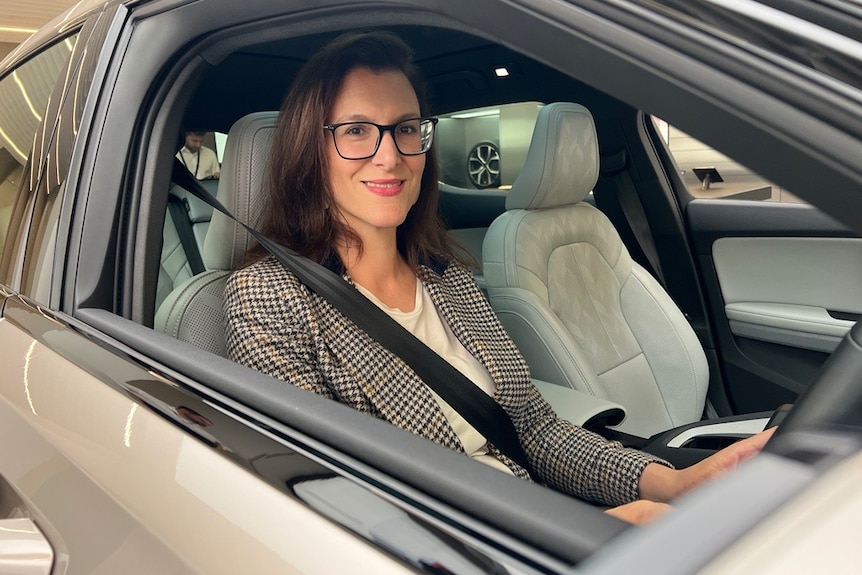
[{"x": 297, "y": 187}]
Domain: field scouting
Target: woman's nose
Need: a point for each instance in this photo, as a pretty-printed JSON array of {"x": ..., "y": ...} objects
[{"x": 387, "y": 152}]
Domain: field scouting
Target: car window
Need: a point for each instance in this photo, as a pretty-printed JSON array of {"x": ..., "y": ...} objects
[
  {"x": 220, "y": 143},
  {"x": 485, "y": 148},
  {"x": 11, "y": 169},
  {"x": 708, "y": 173},
  {"x": 25, "y": 93}
]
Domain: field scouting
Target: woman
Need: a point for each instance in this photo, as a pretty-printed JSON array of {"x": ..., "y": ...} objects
[{"x": 353, "y": 185}]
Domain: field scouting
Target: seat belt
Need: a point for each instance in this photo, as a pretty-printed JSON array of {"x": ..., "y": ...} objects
[
  {"x": 615, "y": 167},
  {"x": 180, "y": 214},
  {"x": 465, "y": 397}
]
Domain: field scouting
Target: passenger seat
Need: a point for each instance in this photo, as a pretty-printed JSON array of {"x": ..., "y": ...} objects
[
  {"x": 468, "y": 213},
  {"x": 174, "y": 266},
  {"x": 193, "y": 311},
  {"x": 583, "y": 313}
]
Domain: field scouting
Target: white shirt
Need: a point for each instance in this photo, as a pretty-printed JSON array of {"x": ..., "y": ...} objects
[
  {"x": 203, "y": 163},
  {"x": 425, "y": 322}
]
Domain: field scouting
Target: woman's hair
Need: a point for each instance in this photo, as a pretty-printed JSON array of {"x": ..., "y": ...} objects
[{"x": 297, "y": 189}]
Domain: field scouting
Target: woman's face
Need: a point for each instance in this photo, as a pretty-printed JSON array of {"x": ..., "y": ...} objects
[{"x": 374, "y": 195}]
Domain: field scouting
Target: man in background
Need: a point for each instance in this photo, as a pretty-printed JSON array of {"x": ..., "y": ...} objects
[{"x": 197, "y": 158}]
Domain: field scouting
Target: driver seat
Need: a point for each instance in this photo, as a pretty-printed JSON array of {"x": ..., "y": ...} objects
[
  {"x": 583, "y": 313},
  {"x": 193, "y": 311}
]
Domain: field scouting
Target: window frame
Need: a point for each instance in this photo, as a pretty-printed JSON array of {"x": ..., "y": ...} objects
[{"x": 14, "y": 256}]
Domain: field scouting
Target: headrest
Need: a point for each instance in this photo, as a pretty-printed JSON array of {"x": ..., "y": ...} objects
[
  {"x": 562, "y": 164},
  {"x": 243, "y": 171}
]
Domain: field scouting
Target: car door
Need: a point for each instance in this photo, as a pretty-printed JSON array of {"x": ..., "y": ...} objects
[
  {"x": 43, "y": 434},
  {"x": 782, "y": 282},
  {"x": 770, "y": 286},
  {"x": 44, "y": 395},
  {"x": 105, "y": 465},
  {"x": 769, "y": 281},
  {"x": 187, "y": 458}
]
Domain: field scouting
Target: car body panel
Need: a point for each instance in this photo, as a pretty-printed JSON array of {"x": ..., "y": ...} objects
[
  {"x": 813, "y": 534},
  {"x": 121, "y": 456},
  {"x": 658, "y": 550}
]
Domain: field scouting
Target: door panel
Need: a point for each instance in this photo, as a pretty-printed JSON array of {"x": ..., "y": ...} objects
[
  {"x": 782, "y": 287},
  {"x": 118, "y": 488},
  {"x": 800, "y": 292}
]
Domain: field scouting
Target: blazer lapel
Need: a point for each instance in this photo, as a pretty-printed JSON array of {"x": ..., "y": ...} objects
[{"x": 394, "y": 389}]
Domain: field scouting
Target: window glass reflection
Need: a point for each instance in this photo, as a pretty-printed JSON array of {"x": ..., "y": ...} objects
[{"x": 25, "y": 93}]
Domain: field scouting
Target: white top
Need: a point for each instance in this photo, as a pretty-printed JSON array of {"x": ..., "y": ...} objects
[
  {"x": 425, "y": 322},
  {"x": 203, "y": 163}
]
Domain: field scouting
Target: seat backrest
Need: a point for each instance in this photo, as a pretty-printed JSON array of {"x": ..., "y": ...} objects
[
  {"x": 582, "y": 312},
  {"x": 468, "y": 213},
  {"x": 193, "y": 311},
  {"x": 174, "y": 266},
  {"x": 471, "y": 239}
]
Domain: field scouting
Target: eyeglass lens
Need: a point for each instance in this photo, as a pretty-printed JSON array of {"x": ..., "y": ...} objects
[{"x": 357, "y": 140}]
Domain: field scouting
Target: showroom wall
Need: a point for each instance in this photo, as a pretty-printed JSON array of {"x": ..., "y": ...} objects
[{"x": 20, "y": 18}]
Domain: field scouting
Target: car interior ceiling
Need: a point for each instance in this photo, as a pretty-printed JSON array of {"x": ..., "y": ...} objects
[{"x": 458, "y": 78}]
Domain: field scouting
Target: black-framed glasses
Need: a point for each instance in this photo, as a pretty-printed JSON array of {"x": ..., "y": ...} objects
[{"x": 361, "y": 140}]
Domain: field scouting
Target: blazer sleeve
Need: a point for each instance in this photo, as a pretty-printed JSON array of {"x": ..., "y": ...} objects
[
  {"x": 267, "y": 327},
  {"x": 576, "y": 461}
]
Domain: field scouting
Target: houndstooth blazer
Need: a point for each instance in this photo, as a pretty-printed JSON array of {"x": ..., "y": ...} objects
[{"x": 278, "y": 326}]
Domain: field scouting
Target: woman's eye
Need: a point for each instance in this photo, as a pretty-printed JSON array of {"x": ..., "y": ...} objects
[
  {"x": 408, "y": 129},
  {"x": 355, "y": 131}
]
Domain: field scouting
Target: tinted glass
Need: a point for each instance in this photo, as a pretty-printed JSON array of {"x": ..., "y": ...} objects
[
  {"x": 25, "y": 93},
  {"x": 822, "y": 36}
]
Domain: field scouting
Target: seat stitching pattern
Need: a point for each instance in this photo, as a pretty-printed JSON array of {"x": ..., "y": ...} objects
[{"x": 563, "y": 344}]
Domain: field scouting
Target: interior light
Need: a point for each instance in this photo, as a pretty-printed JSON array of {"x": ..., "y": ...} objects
[
  {"x": 501, "y": 72},
  {"x": 476, "y": 114}
]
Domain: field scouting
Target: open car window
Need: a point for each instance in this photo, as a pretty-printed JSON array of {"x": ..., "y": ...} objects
[
  {"x": 199, "y": 104},
  {"x": 709, "y": 174}
]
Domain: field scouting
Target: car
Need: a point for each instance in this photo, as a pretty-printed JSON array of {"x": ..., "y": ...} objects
[{"x": 128, "y": 449}]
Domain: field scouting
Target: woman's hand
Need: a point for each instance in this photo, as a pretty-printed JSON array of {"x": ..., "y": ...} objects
[
  {"x": 659, "y": 483},
  {"x": 639, "y": 512}
]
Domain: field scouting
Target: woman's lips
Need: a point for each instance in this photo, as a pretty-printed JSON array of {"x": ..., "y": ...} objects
[{"x": 384, "y": 187}]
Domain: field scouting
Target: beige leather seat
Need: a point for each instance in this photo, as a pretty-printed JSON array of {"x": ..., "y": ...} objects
[
  {"x": 193, "y": 311},
  {"x": 583, "y": 313},
  {"x": 174, "y": 267}
]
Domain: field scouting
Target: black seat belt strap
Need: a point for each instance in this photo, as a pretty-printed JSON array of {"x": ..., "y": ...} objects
[
  {"x": 180, "y": 216},
  {"x": 616, "y": 167},
  {"x": 474, "y": 405}
]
